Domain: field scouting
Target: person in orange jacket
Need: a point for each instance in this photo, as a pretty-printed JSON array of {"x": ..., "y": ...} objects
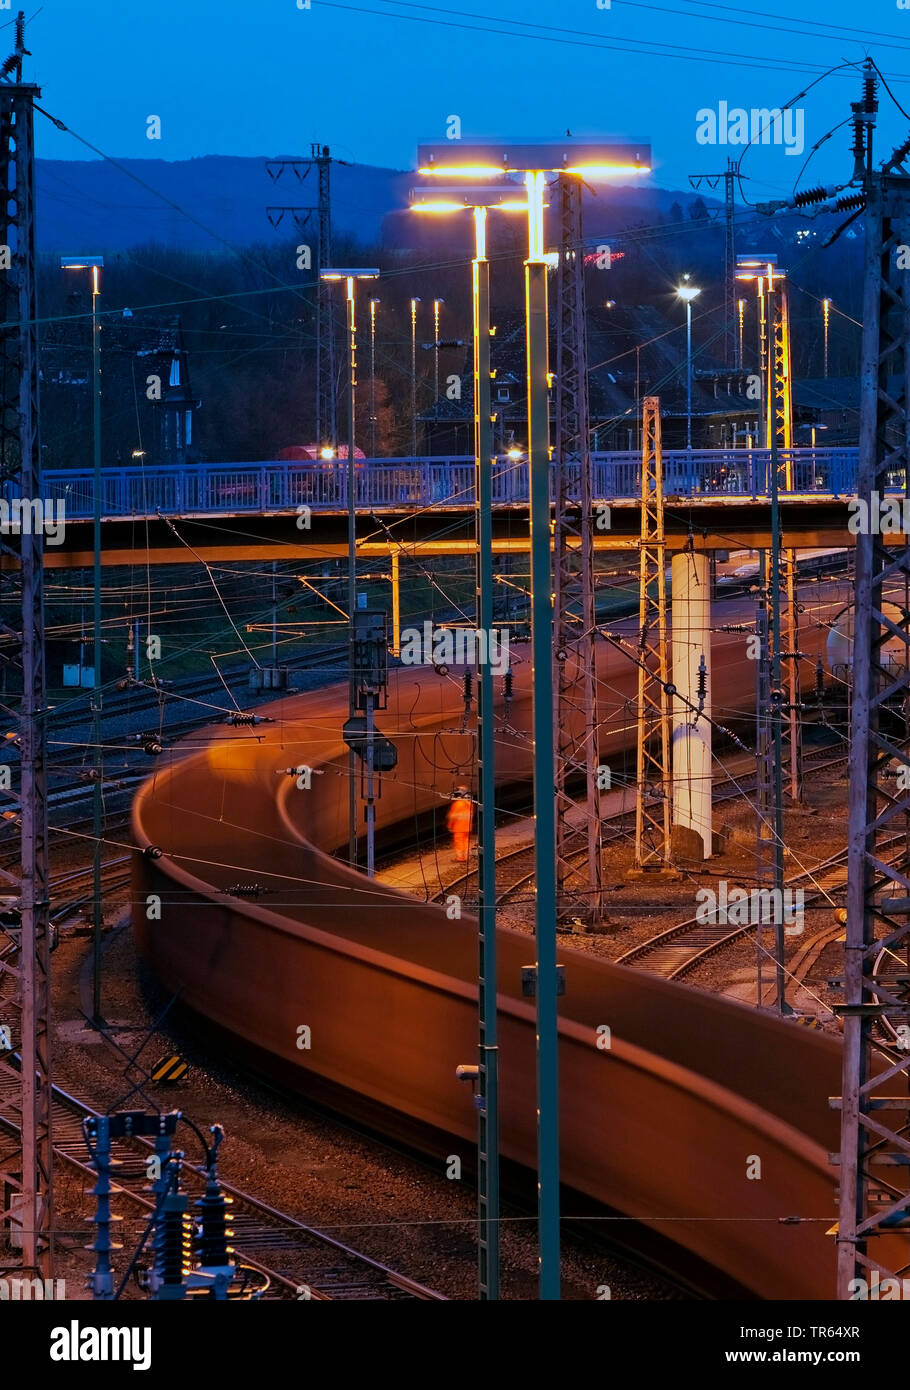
[{"x": 458, "y": 821}]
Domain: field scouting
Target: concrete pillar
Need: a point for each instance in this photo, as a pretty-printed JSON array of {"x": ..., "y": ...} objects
[{"x": 691, "y": 747}]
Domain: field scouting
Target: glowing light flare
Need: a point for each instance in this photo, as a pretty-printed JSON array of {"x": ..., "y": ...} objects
[
  {"x": 512, "y": 205},
  {"x": 488, "y": 171},
  {"x": 603, "y": 171},
  {"x": 467, "y": 171},
  {"x": 535, "y": 183},
  {"x": 344, "y": 273},
  {"x": 480, "y": 234}
]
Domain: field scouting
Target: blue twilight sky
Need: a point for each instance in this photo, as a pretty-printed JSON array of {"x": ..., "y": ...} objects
[{"x": 370, "y": 77}]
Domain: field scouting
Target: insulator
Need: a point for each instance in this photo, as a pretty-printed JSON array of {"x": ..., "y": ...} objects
[
  {"x": 152, "y": 852},
  {"x": 441, "y": 670},
  {"x": 467, "y": 686},
  {"x": 245, "y": 890},
  {"x": 810, "y": 195},
  {"x": 507, "y": 682},
  {"x": 901, "y": 152},
  {"x": 870, "y": 87},
  {"x": 171, "y": 1242},
  {"x": 702, "y": 680},
  {"x": 210, "y": 1244},
  {"x": 236, "y": 719},
  {"x": 152, "y": 749},
  {"x": 849, "y": 202}
]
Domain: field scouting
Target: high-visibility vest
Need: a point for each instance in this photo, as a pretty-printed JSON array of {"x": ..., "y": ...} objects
[{"x": 460, "y": 816}]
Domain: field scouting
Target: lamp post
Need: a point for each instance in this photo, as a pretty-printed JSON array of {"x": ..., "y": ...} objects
[
  {"x": 770, "y": 280},
  {"x": 436, "y": 306},
  {"x": 414, "y": 302},
  {"x": 373, "y": 303},
  {"x": 95, "y": 264},
  {"x": 687, "y": 293},
  {"x": 479, "y": 201},
  {"x": 484, "y": 159},
  {"x": 350, "y": 276}
]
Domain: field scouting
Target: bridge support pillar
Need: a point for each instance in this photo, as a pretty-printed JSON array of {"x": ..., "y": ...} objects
[{"x": 691, "y": 731}]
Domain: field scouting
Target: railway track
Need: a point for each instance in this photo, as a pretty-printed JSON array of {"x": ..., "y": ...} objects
[
  {"x": 298, "y": 1261},
  {"x": 677, "y": 950},
  {"x": 79, "y": 888},
  {"x": 513, "y": 878}
]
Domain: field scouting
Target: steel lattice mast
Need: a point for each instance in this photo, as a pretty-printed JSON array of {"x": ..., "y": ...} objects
[
  {"x": 326, "y": 423},
  {"x": 768, "y": 851},
  {"x": 326, "y": 367},
  {"x": 578, "y": 866},
  {"x": 875, "y": 1109},
  {"x": 652, "y": 804},
  {"x": 779, "y": 435},
  {"x": 729, "y": 176},
  {"x": 26, "y": 1173}
]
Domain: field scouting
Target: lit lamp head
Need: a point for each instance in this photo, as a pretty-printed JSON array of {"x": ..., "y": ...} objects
[
  {"x": 92, "y": 263},
  {"x": 460, "y": 198},
  {"x": 687, "y": 292},
  {"x": 350, "y": 275},
  {"x": 534, "y": 159},
  {"x": 487, "y": 158},
  {"x": 478, "y": 199},
  {"x": 755, "y": 266}
]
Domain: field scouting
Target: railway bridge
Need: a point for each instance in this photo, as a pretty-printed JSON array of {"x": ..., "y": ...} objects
[{"x": 715, "y": 499}]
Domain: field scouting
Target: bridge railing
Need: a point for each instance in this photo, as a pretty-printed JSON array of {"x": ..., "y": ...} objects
[{"x": 448, "y": 482}]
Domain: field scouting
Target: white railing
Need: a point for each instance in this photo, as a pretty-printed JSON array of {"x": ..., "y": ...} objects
[{"x": 414, "y": 483}]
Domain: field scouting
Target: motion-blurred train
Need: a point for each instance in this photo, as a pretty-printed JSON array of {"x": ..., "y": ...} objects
[{"x": 364, "y": 996}]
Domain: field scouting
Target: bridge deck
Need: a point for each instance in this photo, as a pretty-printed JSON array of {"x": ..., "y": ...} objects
[{"x": 408, "y": 484}]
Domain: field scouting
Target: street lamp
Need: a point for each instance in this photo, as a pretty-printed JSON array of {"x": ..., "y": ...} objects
[
  {"x": 436, "y": 305},
  {"x": 763, "y": 269},
  {"x": 349, "y": 276},
  {"x": 534, "y": 160},
  {"x": 687, "y": 293},
  {"x": 95, "y": 264},
  {"x": 414, "y": 302},
  {"x": 479, "y": 201},
  {"x": 373, "y": 303}
]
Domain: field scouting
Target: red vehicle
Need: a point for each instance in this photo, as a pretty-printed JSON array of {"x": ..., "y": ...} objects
[
  {"x": 320, "y": 471},
  {"x": 324, "y": 458}
]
